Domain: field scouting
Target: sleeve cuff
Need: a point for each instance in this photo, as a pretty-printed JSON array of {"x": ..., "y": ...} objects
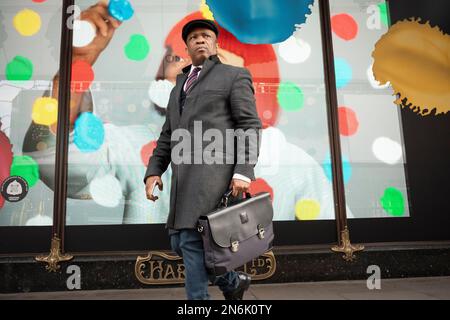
[{"x": 241, "y": 177}]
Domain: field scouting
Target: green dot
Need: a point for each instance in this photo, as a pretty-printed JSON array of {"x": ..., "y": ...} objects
[
  {"x": 392, "y": 201},
  {"x": 290, "y": 96},
  {"x": 27, "y": 168},
  {"x": 20, "y": 68},
  {"x": 383, "y": 13},
  {"x": 137, "y": 48}
]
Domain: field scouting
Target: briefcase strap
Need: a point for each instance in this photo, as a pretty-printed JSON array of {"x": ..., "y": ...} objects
[{"x": 224, "y": 201}]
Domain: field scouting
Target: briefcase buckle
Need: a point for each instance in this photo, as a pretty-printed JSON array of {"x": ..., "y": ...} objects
[
  {"x": 234, "y": 246},
  {"x": 200, "y": 228},
  {"x": 260, "y": 232}
]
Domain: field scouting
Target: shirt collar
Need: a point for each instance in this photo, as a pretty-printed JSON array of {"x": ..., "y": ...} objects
[
  {"x": 193, "y": 67},
  {"x": 188, "y": 69}
]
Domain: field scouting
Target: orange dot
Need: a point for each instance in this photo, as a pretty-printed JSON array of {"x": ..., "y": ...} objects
[
  {"x": 147, "y": 151},
  {"x": 348, "y": 122},
  {"x": 344, "y": 26},
  {"x": 260, "y": 185},
  {"x": 82, "y": 76}
]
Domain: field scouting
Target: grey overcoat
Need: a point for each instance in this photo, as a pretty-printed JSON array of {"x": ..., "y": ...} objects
[{"x": 222, "y": 98}]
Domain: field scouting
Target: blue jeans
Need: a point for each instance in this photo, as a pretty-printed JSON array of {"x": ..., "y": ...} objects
[{"x": 187, "y": 243}]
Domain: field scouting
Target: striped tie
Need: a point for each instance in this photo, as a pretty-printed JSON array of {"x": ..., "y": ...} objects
[{"x": 191, "y": 79}]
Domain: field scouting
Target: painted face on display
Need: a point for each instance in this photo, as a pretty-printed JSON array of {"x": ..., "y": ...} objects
[
  {"x": 260, "y": 60},
  {"x": 172, "y": 65}
]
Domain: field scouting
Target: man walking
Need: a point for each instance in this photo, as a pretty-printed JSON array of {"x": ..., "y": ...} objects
[{"x": 221, "y": 98}]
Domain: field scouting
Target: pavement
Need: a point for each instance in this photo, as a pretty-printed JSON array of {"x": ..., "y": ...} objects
[{"x": 427, "y": 288}]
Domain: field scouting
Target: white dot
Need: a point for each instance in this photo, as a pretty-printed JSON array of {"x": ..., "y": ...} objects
[
  {"x": 39, "y": 220},
  {"x": 373, "y": 82},
  {"x": 145, "y": 103},
  {"x": 106, "y": 191},
  {"x": 159, "y": 92},
  {"x": 83, "y": 33},
  {"x": 387, "y": 150},
  {"x": 294, "y": 50},
  {"x": 267, "y": 114},
  {"x": 310, "y": 101},
  {"x": 273, "y": 142},
  {"x": 131, "y": 108}
]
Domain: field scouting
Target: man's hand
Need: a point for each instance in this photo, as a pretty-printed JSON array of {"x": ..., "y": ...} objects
[
  {"x": 149, "y": 186},
  {"x": 239, "y": 186},
  {"x": 105, "y": 24}
]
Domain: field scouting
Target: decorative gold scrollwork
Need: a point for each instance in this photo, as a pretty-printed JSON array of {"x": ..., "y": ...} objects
[
  {"x": 266, "y": 261},
  {"x": 159, "y": 270},
  {"x": 54, "y": 256},
  {"x": 346, "y": 247}
]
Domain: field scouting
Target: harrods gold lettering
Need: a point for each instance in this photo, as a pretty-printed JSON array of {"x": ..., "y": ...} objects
[
  {"x": 180, "y": 270},
  {"x": 261, "y": 262},
  {"x": 166, "y": 269},
  {"x": 158, "y": 269},
  {"x": 169, "y": 272}
]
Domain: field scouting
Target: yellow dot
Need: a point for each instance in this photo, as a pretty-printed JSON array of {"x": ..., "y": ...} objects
[
  {"x": 307, "y": 209},
  {"x": 45, "y": 111},
  {"x": 27, "y": 22}
]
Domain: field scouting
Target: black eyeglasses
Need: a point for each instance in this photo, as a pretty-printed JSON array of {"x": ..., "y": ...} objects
[{"x": 171, "y": 58}]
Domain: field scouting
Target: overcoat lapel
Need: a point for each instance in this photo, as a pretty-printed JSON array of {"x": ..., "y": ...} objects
[
  {"x": 208, "y": 65},
  {"x": 181, "y": 78}
]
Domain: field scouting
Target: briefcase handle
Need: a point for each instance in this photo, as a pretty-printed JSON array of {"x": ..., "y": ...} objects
[{"x": 224, "y": 202}]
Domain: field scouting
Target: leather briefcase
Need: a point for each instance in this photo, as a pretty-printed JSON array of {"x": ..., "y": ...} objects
[{"x": 235, "y": 234}]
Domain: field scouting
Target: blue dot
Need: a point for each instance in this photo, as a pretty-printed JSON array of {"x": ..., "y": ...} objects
[
  {"x": 260, "y": 22},
  {"x": 346, "y": 167},
  {"x": 120, "y": 9},
  {"x": 89, "y": 132},
  {"x": 343, "y": 71}
]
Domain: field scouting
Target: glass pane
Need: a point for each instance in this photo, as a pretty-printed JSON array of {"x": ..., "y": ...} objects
[
  {"x": 369, "y": 121},
  {"x": 124, "y": 93},
  {"x": 30, "y": 41}
]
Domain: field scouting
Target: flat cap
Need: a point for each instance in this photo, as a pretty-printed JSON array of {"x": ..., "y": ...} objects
[{"x": 198, "y": 23}]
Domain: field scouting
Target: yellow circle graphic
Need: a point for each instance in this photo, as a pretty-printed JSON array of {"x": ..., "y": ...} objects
[
  {"x": 27, "y": 22},
  {"x": 307, "y": 209},
  {"x": 45, "y": 111}
]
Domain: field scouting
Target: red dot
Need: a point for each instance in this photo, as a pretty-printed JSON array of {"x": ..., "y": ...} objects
[
  {"x": 266, "y": 79},
  {"x": 348, "y": 122},
  {"x": 82, "y": 76},
  {"x": 39, "y": 1},
  {"x": 260, "y": 185},
  {"x": 147, "y": 152},
  {"x": 344, "y": 26}
]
